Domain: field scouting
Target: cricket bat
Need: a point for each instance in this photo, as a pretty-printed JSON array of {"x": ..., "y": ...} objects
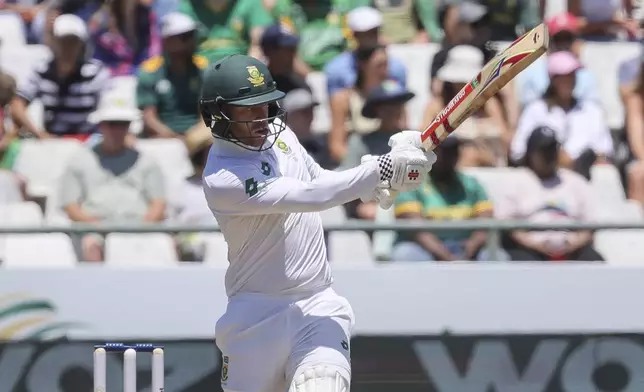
[{"x": 494, "y": 75}]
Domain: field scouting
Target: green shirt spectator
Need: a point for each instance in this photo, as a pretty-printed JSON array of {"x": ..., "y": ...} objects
[
  {"x": 407, "y": 21},
  {"x": 455, "y": 203},
  {"x": 235, "y": 27},
  {"x": 320, "y": 25},
  {"x": 507, "y": 19},
  {"x": 174, "y": 96},
  {"x": 447, "y": 195}
]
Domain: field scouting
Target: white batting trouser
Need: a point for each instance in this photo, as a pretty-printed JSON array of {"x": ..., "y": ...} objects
[{"x": 286, "y": 344}]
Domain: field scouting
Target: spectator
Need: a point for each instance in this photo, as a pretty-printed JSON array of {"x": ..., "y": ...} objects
[
  {"x": 346, "y": 105},
  {"x": 387, "y": 104},
  {"x": 414, "y": 21},
  {"x": 9, "y": 144},
  {"x": 320, "y": 25},
  {"x": 300, "y": 105},
  {"x": 228, "y": 26},
  {"x": 69, "y": 85},
  {"x": 489, "y": 136},
  {"x": 169, "y": 85},
  {"x": 342, "y": 72},
  {"x": 49, "y": 10},
  {"x": 579, "y": 125},
  {"x": 628, "y": 74},
  {"x": 633, "y": 99},
  {"x": 462, "y": 23},
  {"x": 468, "y": 23},
  {"x": 279, "y": 44},
  {"x": 125, "y": 33},
  {"x": 508, "y": 19},
  {"x": 111, "y": 182},
  {"x": 603, "y": 20},
  {"x": 448, "y": 195},
  {"x": 187, "y": 203},
  {"x": 534, "y": 81},
  {"x": 546, "y": 193},
  {"x": 27, "y": 10}
]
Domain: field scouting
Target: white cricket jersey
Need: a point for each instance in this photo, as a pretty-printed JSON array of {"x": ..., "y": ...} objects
[{"x": 267, "y": 205}]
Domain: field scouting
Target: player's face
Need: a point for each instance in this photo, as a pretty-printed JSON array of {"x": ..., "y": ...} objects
[
  {"x": 114, "y": 133},
  {"x": 563, "y": 85},
  {"x": 182, "y": 44},
  {"x": 390, "y": 115},
  {"x": 447, "y": 159},
  {"x": 249, "y": 124},
  {"x": 543, "y": 161},
  {"x": 68, "y": 48},
  {"x": 367, "y": 38}
]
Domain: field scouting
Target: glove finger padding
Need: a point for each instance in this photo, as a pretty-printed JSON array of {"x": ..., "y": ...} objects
[{"x": 411, "y": 138}]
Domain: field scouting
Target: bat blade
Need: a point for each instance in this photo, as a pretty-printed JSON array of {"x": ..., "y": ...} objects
[{"x": 494, "y": 75}]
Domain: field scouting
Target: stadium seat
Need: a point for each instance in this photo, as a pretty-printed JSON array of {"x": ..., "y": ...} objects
[
  {"x": 493, "y": 180},
  {"x": 417, "y": 59},
  {"x": 322, "y": 115},
  {"x": 9, "y": 189},
  {"x": 12, "y": 32},
  {"x": 171, "y": 155},
  {"x": 19, "y": 60},
  {"x": 21, "y": 213},
  {"x": 621, "y": 246},
  {"x": 38, "y": 250},
  {"x": 383, "y": 240},
  {"x": 334, "y": 216},
  {"x": 216, "y": 249},
  {"x": 137, "y": 250},
  {"x": 42, "y": 162},
  {"x": 18, "y": 214},
  {"x": 350, "y": 247},
  {"x": 603, "y": 60},
  {"x": 607, "y": 185}
]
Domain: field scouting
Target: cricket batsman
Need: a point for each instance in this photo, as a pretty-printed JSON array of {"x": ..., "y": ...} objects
[{"x": 285, "y": 329}]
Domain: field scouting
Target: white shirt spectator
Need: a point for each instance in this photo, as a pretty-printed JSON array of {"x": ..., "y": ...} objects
[
  {"x": 581, "y": 128},
  {"x": 566, "y": 198}
]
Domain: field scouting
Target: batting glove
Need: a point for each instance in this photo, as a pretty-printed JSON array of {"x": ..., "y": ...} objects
[
  {"x": 411, "y": 138},
  {"x": 404, "y": 169}
]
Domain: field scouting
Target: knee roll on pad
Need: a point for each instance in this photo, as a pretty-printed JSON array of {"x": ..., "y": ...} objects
[{"x": 320, "y": 379}]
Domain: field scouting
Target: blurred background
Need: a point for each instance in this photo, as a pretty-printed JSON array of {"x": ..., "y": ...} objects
[{"x": 516, "y": 267}]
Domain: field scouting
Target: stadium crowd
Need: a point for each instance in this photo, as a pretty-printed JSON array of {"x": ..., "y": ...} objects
[{"x": 546, "y": 131}]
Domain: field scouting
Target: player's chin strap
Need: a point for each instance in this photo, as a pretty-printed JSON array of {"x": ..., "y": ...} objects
[{"x": 320, "y": 379}]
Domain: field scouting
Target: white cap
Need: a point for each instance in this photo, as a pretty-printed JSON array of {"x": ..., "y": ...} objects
[
  {"x": 69, "y": 24},
  {"x": 176, "y": 23},
  {"x": 463, "y": 63},
  {"x": 363, "y": 19},
  {"x": 114, "y": 107}
]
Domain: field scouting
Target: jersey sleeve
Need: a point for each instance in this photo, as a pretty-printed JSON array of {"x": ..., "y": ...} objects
[
  {"x": 407, "y": 203},
  {"x": 145, "y": 90},
  {"x": 257, "y": 15},
  {"x": 482, "y": 202},
  {"x": 29, "y": 88},
  {"x": 246, "y": 191}
]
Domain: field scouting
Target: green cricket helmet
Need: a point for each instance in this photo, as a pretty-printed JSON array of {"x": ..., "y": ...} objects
[{"x": 240, "y": 80}]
